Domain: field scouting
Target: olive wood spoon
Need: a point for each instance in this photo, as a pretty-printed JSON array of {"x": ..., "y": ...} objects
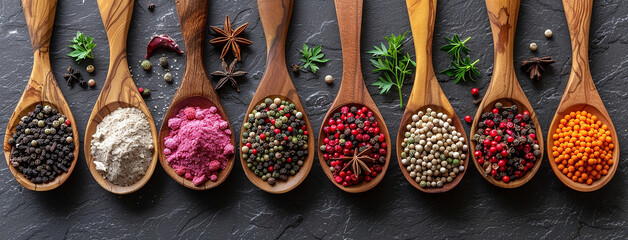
[
  {"x": 276, "y": 83},
  {"x": 195, "y": 90},
  {"x": 580, "y": 93},
  {"x": 426, "y": 92},
  {"x": 504, "y": 86},
  {"x": 119, "y": 89},
  {"x": 352, "y": 88},
  {"x": 41, "y": 88}
]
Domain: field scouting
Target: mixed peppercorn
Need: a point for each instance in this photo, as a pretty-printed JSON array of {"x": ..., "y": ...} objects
[
  {"x": 42, "y": 146},
  {"x": 275, "y": 140},
  {"x": 353, "y": 148},
  {"x": 506, "y": 143}
]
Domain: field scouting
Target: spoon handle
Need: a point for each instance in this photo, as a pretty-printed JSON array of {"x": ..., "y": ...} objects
[
  {"x": 275, "y": 16},
  {"x": 426, "y": 89},
  {"x": 116, "y": 16},
  {"x": 502, "y": 15},
  {"x": 578, "y": 15},
  {"x": 349, "y": 14},
  {"x": 40, "y": 16},
  {"x": 193, "y": 19}
]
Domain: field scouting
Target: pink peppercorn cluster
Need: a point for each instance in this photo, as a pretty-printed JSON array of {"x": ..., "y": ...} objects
[
  {"x": 347, "y": 130},
  {"x": 506, "y": 143}
]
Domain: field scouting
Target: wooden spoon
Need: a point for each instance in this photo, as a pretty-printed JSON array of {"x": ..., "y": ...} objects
[
  {"x": 352, "y": 88},
  {"x": 119, "y": 89},
  {"x": 504, "y": 86},
  {"x": 581, "y": 94},
  {"x": 276, "y": 83},
  {"x": 42, "y": 87},
  {"x": 426, "y": 92},
  {"x": 195, "y": 90}
]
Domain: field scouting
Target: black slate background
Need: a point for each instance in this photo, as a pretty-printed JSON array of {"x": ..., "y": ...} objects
[{"x": 543, "y": 208}]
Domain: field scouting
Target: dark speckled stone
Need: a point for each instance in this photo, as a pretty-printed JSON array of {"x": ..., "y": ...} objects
[{"x": 543, "y": 208}]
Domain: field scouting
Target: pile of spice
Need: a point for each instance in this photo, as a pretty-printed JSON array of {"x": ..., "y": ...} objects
[
  {"x": 122, "y": 146},
  {"x": 199, "y": 144},
  {"x": 433, "y": 151},
  {"x": 354, "y": 148},
  {"x": 275, "y": 140},
  {"x": 506, "y": 144},
  {"x": 42, "y": 145},
  {"x": 583, "y": 147}
]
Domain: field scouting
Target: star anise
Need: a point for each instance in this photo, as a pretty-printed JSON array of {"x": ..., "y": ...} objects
[
  {"x": 228, "y": 74},
  {"x": 230, "y": 39},
  {"x": 536, "y": 66},
  {"x": 72, "y": 75},
  {"x": 357, "y": 161}
]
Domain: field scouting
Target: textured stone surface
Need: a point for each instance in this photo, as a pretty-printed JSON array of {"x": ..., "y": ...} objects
[{"x": 543, "y": 208}]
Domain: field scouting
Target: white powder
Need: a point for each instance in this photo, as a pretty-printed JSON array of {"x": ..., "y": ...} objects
[{"x": 122, "y": 147}]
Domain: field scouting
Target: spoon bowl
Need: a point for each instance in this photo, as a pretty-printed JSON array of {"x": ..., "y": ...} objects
[
  {"x": 352, "y": 87},
  {"x": 195, "y": 90},
  {"x": 119, "y": 90},
  {"x": 41, "y": 88},
  {"x": 363, "y": 186},
  {"x": 276, "y": 83},
  {"x": 581, "y": 93},
  {"x": 504, "y": 86},
  {"x": 426, "y": 92}
]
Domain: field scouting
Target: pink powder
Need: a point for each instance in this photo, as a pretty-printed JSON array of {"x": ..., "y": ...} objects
[{"x": 199, "y": 144}]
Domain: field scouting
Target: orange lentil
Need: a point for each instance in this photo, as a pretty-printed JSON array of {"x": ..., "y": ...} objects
[{"x": 583, "y": 147}]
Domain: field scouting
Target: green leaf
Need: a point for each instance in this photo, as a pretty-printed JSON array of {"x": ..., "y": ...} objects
[
  {"x": 82, "y": 46},
  {"x": 391, "y": 63},
  {"x": 311, "y": 56}
]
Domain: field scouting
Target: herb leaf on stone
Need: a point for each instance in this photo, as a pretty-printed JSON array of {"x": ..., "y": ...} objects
[
  {"x": 455, "y": 47},
  {"x": 393, "y": 63},
  {"x": 461, "y": 68},
  {"x": 311, "y": 56},
  {"x": 82, "y": 46}
]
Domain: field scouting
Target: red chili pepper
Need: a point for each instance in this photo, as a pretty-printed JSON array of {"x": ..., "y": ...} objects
[{"x": 162, "y": 40}]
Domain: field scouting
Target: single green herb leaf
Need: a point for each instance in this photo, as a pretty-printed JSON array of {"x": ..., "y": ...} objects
[
  {"x": 82, "y": 46},
  {"x": 461, "y": 68},
  {"x": 391, "y": 61},
  {"x": 311, "y": 56}
]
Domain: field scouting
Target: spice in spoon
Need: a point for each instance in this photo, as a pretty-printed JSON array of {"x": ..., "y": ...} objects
[
  {"x": 433, "y": 150},
  {"x": 583, "y": 147},
  {"x": 42, "y": 147},
  {"x": 275, "y": 140},
  {"x": 199, "y": 144},
  {"x": 354, "y": 148},
  {"x": 506, "y": 143}
]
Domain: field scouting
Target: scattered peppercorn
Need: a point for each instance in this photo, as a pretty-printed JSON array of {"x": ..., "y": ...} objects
[
  {"x": 329, "y": 79},
  {"x": 146, "y": 92},
  {"x": 548, "y": 33},
  {"x": 295, "y": 67},
  {"x": 163, "y": 61},
  {"x": 92, "y": 82},
  {"x": 140, "y": 89},
  {"x": 533, "y": 47},
  {"x": 506, "y": 143},
  {"x": 146, "y": 65},
  {"x": 151, "y": 6},
  {"x": 475, "y": 92},
  {"x": 40, "y": 149},
  {"x": 354, "y": 148},
  {"x": 90, "y": 68},
  {"x": 275, "y": 140},
  {"x": 168, "y": 77},
  {"x": 468, "y": 119},
  {"x": 433, "y": 151},
  {"x": 583, "y": 147}
]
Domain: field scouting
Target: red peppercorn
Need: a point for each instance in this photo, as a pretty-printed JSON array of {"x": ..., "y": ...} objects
[
  {"x": 526, "y": 113},
  {"x": 254, "y": 151},
  {"x": 331, "y": 121},
  {"x": 141, "y": 89},
  {"x": 529, "y": 165},
  {"x": 338, "y": 179},
  {"x": 326, "y": 129},
  {"x": 381, "y": 137},
  {"x": 345, "y": 184},
  {"x": 271, "y": 168},
  {"x": 493, "y": 172},
  {"x": 506, "y": 179},
  {"x": 532, "y": 135},
  {"x": 382, "y": 151},
  {"x": 510, "y": 139},
  {"x": 367, "y": 178},
  {"x": 475, "y": 91},
  {"x": 383, "y": 145},
  {"x": 289, "y": 160},
  {"x": 477, "y": 153},
  {"x": 495, "y": 110},
  {"x": 349, "y": 144},
  {"x": 498, "y": 138},
  {"x": 504, "y": 153},
  {"x": 468, "y": 119},
  {"x": 501, "y": 163},
  {"x": 248, "y": 145},
  {"x": 290, "y": 129},
  {"x": 67, "y": 122},
  {"x": 493, "y": 133}
]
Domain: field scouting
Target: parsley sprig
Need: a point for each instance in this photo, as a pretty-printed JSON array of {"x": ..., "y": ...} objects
[
  {"x": 82, "y": 46},
  {"x": 395, "y": 65},
  {"x": 311, "y": 56},
  {"x": 461, "y": 68}
]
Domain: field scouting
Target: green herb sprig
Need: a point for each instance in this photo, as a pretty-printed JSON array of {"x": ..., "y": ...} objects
[
  {"x": 82, "y": 46},
  {"x": 311, "y": 56},
  {"x": 461, "y": 68},
  {"x": 395, "y": 65}
]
